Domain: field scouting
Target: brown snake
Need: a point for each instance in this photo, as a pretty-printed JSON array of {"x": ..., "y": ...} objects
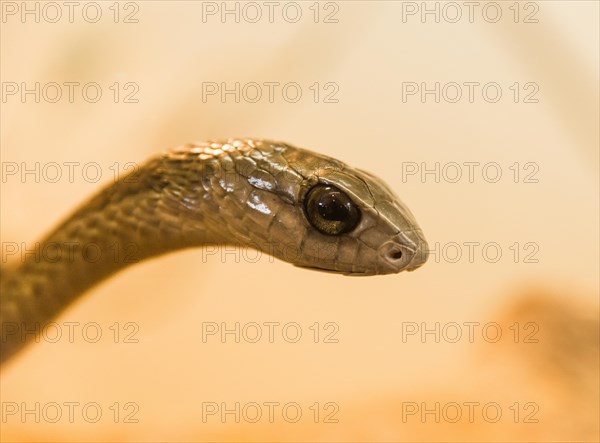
[{"x": 296, "y": 205}]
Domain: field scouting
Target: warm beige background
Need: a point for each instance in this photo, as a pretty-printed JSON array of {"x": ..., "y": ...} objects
[{"x": 370, "y": 372}]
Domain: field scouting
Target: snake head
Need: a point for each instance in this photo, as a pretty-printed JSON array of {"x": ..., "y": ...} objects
[
  {"x": 317, "y": 212},
  {"x": 364, "y": 225},
  {"x": 297, "y": 205}
]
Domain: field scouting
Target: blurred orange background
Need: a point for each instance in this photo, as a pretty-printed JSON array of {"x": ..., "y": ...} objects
[{"x": 363, "y": 57}]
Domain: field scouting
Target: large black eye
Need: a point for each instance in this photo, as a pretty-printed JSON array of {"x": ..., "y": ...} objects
[{"x": 330, "y": 210}]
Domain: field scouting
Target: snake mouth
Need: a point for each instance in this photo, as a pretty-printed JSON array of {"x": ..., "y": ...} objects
[
  {"x": 352, "y": 273},
  {"x": 317, "y": 268}
]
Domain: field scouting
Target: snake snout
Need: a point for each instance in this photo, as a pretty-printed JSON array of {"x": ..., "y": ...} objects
[
  {"x": 421, "y": 254},
  {"x": 407, "y": 252},
  {"x": 420, "y": 257}
]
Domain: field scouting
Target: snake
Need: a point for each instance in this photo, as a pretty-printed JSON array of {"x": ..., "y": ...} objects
[{"x": 294, "y": 204}]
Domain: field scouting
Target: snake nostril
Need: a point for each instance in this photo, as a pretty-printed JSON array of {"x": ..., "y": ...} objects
[{"x": 396, "y": 254}]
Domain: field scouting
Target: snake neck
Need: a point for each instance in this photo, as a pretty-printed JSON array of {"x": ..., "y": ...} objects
[{"x": 107, "y": 234}]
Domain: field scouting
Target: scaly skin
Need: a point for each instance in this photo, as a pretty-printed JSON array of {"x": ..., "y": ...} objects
[{"x": 242, "y": 192}]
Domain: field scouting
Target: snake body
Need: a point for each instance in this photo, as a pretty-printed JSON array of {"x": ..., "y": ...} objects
[{"x": 294, "y": 204}]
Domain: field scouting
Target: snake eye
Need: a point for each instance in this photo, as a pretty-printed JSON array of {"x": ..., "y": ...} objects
[{"x": 330, "y": 210}]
